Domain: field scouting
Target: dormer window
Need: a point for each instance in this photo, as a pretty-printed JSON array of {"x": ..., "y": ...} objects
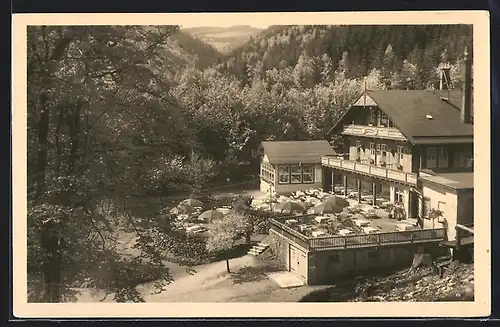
[{"x": 429, "y": 117}]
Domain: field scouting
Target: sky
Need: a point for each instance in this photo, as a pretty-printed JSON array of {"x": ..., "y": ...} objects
[
  {"x": 224, "y": 20},
  {"x": 222, "y": 24}
]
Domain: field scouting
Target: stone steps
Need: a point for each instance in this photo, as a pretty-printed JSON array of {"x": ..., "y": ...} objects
[{"x": 258, "y": 249}]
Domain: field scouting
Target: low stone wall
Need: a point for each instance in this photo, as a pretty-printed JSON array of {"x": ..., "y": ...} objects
[
  {"x": 327, "y": 267},
  {"x": 279, "y": 249}
]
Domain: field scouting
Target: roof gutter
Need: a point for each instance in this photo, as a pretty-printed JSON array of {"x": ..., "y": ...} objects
[{"x": 448, "y": 187}]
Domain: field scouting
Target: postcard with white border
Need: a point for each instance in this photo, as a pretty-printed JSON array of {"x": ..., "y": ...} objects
[{"x": 251, "y": 165}]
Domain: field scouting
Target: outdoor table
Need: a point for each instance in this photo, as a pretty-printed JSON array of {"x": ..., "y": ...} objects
[
  {"x": 403, "y": 227},
  {"x": 345, "y": 232},
  {"x": 353, "y": 194},
  {"x": 411, "y": 222},
  {"x": 317, "y": 233},
  {"x": 321, "y": 219},
  {"x": 304, "y": 227},
  {"x": 361, "y": 222},
  {"x": 369, "y": 230}
]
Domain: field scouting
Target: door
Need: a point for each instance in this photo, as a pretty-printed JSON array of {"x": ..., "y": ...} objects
[
  {"x": 293, "y": 259},
  {"x": 298, "y": 262},
  {"x": 302, "y": 269},
  {"x": 414, "y": 204}
]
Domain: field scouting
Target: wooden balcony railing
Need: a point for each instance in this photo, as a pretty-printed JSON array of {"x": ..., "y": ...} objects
[
  {"x": 289, "y": 233},
  {"x": 392, "y": 174},
  {"x": 390, "y": 133},
  {"x": 358, "y": 240}
]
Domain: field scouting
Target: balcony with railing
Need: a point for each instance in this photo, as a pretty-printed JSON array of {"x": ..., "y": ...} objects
[
  {"x": 371, "y": 170},
  {"x": 382, "y": 132},
  {"x": 332, "y": 242},
  {"x": 464, "y": 236}
]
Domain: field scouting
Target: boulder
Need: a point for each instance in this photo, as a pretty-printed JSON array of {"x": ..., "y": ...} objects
[{"x": 421, "y": 260}]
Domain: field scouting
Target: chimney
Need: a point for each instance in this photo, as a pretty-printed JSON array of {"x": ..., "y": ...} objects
[
  {"x": 445, "y": 77},
  {"x": 466, "y": 110}
]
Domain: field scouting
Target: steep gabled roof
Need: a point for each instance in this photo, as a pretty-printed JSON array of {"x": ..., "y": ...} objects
[
  {"x": 289, "y": 152},
  {"x": 408, "y": 109}
]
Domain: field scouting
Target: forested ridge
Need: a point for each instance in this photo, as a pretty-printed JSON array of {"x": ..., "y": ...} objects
[
  {"x": 117, "y": 113},
  {"x": 292, "y": 82},
  {"x": 368, "y": 47},
  {"x": 225, "y": 39}
]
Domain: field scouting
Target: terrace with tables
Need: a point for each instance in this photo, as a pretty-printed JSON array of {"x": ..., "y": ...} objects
[{"x": 356, "y": 225}]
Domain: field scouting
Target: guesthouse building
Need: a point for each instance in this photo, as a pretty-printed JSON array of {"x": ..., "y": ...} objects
[
  {"x": 413, "y": 146},
  {"x": 392, "y": 135},
  {"x": 288, "y": 166}
]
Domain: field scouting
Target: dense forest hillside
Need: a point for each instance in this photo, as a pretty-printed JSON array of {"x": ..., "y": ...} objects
[
  {"x": 360, "y": 48},
  {"x": 225, "y": 39},
  {"x": 181, "y": 51},
  {"x": 293, "y": 82},
  {"x": 196, "y": 52}
]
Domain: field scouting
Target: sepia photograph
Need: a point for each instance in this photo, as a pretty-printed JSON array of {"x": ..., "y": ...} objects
[{"x": 271, "y": 161}]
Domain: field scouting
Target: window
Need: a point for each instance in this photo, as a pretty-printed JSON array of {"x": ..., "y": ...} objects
[
  {"x": 400, "y": 196},
  {"x": 383, "y": 119},
  {"x": 383, "y": 148},
  {"x": 372, "y": 148},
  {"x": 296, "y": 174},
  {"x": 378, "y": 147},
  {"x": 267, "y": 171},
  {"x": 431, "y": 153},
  {"x": 431, "y": 157},
  {"x": 400, "y": 151},
  {"x": 358, "y": 144},
  {"x": 307, "y": 174},
  {"x": 373, "y": 117},
  {"x": 284, "y": 174}
]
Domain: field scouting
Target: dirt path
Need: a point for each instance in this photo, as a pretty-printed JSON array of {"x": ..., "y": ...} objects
[
  {"x": 247, "y": 281},
  {"x": 211, "y": 283}
]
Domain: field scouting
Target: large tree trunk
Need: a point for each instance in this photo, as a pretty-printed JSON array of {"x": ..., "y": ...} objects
[
  {"x": 50, "y": 234},
  {"x": 74, "y": 134},
  {"x": 42, "y": 135},
  {"x": 52, "y": 263}
]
